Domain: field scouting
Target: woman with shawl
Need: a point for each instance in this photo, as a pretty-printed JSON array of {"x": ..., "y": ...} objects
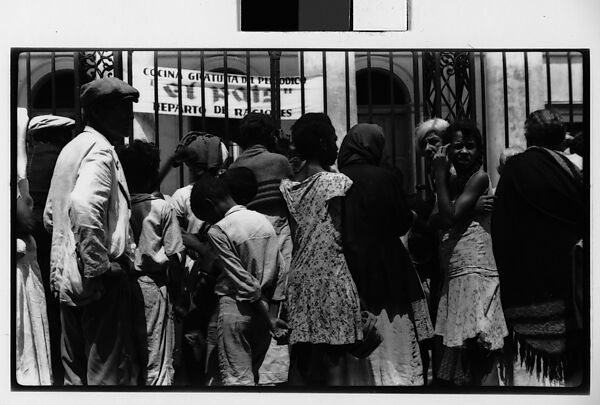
[
  {"x": 539, "y": 218},
  {"x": 375, "y": 216}
]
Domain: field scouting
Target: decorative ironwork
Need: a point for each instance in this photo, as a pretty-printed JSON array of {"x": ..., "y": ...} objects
[
  {"x": 448, "y": 84},
  {"x": 97, "y": 64}
]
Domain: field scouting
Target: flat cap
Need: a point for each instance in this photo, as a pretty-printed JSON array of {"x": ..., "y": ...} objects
[
  {"x": 107, "y": 88},
  {"x": 49, "y": 121}
]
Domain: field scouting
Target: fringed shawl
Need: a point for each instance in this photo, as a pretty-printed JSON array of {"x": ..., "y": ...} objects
[{"x": 539, "y": 216}]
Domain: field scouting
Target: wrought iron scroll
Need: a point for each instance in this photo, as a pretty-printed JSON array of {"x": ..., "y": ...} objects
[
  {"x": 448, "y": 85},
  {"x": 97, "y": 64}
]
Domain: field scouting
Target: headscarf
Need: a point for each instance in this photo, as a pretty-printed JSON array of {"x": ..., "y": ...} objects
[
  {"x": 363, "y": 144},
  {"x": 201, "y": 149}
]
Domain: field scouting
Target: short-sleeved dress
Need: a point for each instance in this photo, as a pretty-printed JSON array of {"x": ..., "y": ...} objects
[{"x": 323, "y": 301}]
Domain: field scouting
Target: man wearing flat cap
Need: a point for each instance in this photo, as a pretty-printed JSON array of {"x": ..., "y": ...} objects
[{"x": 87, "y": 212}]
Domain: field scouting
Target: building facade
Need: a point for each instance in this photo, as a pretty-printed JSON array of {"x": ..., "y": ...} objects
[{"x": 212, "y": 90}]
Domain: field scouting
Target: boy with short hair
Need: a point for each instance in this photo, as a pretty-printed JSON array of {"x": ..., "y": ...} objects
[
  {"x": 247, "y": 247},
  {"x": 257, "y": 139},
  {"x": 158, "y": 245}
]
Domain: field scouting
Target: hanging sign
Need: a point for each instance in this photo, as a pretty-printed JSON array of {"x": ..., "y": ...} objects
[{"x": 215, "y": 93}]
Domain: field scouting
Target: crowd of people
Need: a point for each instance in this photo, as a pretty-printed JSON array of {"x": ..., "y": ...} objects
[{"x": 296, "y": 264}]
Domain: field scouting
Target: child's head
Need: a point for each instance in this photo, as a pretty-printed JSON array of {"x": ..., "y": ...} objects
[
  {"x": 210, "y": 198},
  {"x": 507, "y": 154},
  {"x": 315, "y": 139},
  {"x": 256, "y": 129},
  {"x": 544, "y": 128},
  {"x": 202, "y": 153},
  {"x": 465, "y": 145},
  {"x": 241, "y": 183},
  {"x": 140, "y": 162},
  {"x": 429, "y": 136}
]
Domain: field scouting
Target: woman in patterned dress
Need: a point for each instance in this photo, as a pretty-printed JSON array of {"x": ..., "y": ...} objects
[
  {"x": 323, "y": 304},
  {"x": 469, "y": 318}
]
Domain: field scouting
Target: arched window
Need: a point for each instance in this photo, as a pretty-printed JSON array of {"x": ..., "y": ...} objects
[
  {"x": 380, "y": 88},
  {"x": 64, "y": 91},
  {"x": 397, "y": 125}
]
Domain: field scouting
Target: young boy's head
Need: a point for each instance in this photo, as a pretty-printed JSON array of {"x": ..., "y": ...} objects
[
  {"x": 140, "y": 162},
  {"x": 241, "y": 183},
  {"x": 507, "y": 154},
  {"x": 256, "y": 129},
  {"x": 211, "y": 199}
]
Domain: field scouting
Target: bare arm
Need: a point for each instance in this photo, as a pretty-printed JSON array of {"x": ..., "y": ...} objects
[{"x": 464, "y": 205}]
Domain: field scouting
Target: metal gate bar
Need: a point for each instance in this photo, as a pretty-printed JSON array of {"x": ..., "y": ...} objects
[
  {"x": 347, "y": 66},
  {"x": 179, "y": 113},
  {"x": 76, "y": 91},
  {"x": 324, "y": 82},
  {"x": 483, "y": 108},
  {"x": 526, "y": 71},
  {"x": 570, "y": 73},
  {"x": 417, "y": 113},
  {"x": 202, "y": 87},
  {"x": 156, "y": 119},
  {"x": 302, "y": 80},
  {"x": 370, "y": 87},
  {"x": 505, "y": 90},
  {"x": 391, "y": 67},
  {"x": 248, "y": 88},
  {"x": 548, "y": 79},
  {"x": 53, "y": 81},
  {"x": 226, "y": 89},
  {"x": 28, "y": 81}
]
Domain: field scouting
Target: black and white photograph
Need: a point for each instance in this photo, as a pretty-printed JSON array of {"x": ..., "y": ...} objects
[{"x": 303, "y": 209}]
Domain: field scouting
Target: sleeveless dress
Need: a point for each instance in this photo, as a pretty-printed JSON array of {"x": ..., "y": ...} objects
[{"x": 469, "y": 305}]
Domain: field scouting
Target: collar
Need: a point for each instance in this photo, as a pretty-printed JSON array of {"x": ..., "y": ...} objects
[
  {"x": 87, "y": 128},
  {"x": 140, "y": 197},
  {"x": 233, "y": 209},
  {"x": 254, "y": 150}
]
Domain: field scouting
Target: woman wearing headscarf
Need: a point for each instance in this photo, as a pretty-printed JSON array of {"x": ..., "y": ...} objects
[{"x": 375, "y": 216}]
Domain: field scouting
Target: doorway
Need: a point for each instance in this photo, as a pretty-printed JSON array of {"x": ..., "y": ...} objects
[{"x": 374, "y": 105}]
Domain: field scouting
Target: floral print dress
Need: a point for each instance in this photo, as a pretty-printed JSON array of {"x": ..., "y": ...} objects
[{"x": 323, "y": 301}]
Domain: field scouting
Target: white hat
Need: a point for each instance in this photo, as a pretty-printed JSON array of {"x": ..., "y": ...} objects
[{"x": 49, "y": 121}]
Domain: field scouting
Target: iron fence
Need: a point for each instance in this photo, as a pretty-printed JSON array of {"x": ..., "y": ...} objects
[{"x": 394, "y": 88}]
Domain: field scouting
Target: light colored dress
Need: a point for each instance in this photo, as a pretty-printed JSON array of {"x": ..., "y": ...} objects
[
  {"x": 470, "y": 306},
  {"x": 397, "y": 360},
  {"x": 32, "y": 337},
  {"x": 322, "y": 297}
]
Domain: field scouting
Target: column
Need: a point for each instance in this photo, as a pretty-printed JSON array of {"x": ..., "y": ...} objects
[
  {"x": 516, "y": 101},
  {"x": 335, "y": 87}
]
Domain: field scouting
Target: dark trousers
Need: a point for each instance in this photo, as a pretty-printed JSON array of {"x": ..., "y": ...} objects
[{"x": 97, "y": 339}]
